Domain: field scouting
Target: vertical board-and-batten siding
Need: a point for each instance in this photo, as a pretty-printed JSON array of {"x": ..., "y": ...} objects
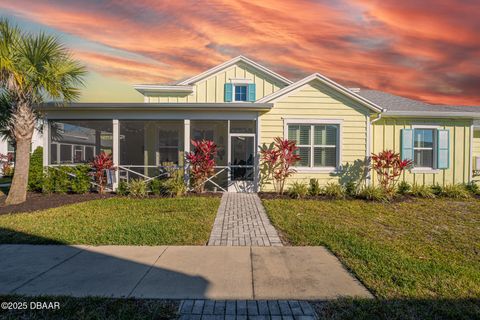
[
  {"x": 212, "y": 89},
  {"x": 386, "y": 136},
  {"x": 317, "y": 102}
]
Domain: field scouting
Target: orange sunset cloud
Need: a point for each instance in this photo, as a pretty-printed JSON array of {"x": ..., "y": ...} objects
[{"x": 428, "y": 50}]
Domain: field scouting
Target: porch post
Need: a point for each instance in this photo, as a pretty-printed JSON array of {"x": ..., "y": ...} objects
[
  {"x": 116, "y": 151},
  {"x": 256, "y": 169},
  {"x": 186, "y": 149},
  {"x": 46, "y": 143}
]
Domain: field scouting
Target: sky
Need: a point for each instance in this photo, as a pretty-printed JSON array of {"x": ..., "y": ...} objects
[{"x": 422, "y": 49}]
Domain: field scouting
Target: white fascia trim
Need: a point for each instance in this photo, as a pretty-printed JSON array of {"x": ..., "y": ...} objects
[
  {"x": 332, "y": 84},
  {"x": 231, "y": 62},
  {"x": 432, "y": 114},
  {"x": 142, "y": 88}
]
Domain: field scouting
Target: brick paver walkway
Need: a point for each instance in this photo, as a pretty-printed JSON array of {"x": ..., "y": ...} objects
[
  {"x": 241, "y": 221},
  {"x": 246, "y": 309}
]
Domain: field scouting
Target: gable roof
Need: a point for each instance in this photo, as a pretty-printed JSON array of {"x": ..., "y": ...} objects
[
  {"x": 230, "y": 63},
  {"x": 398, "y": 105},
  {"x": 330, "y": 83}
]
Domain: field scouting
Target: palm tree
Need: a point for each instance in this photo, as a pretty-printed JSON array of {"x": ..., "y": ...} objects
[{"x": 34, "y": 68}]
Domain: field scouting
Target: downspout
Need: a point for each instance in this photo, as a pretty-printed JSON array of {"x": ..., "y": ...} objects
[{"x": 367, "y": 156}]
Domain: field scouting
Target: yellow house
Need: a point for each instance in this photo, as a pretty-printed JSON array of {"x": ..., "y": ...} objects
[{"x": 241, "y": 104}]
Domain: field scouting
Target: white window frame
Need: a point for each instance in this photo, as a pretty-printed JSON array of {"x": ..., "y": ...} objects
[
  {"x": 434, "y": 168},
  {"x": 234, "y": 98},
  {"x": 313, "y": 122}
]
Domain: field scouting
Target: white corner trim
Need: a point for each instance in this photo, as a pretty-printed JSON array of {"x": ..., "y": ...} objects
[
  {"x": 470, "y": 174},
  {"x": 330, "y": 83},
  {"x": 231, "y": 62},
  {"x": 368, "y": 176}
]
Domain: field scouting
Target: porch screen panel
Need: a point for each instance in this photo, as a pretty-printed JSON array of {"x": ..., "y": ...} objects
[
  {"x": 147, "y": 146},
  {"x": 217, "y": 131},
  {"x": 78, "y": 141}
]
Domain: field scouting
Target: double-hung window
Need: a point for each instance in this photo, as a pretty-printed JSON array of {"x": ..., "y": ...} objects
[
  {"x": 318, "y": 144},
  {"x": 423, "y": 143}
]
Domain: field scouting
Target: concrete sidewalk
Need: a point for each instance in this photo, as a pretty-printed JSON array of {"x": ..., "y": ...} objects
[{"x": 176, "y": 272}]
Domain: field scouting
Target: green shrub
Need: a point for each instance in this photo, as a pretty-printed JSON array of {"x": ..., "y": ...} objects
[
  {"x": 455, "y": 191},
  {"x": 422, "y": 191},
  {"x": 35, "y": 172},
  {"x": 137, "y": 188},
  {"x": 373, "y": 193},
  {"x": 175, "y": 185},
  {"x": 334, "y": 190},
  {"x": 314, "y": 188},
  {"x": 298, "y": 190},
  {"x": 48, "y": 181},
  {"x": 157, "y": 186},
  {"x": 351, "y": 189},
  {"x": 56, "y": 180},
  {"x": 404, "y": 188},
  {"x": 436, "y": 189},
  {"x": 81, "y": 182},
  {"x": 473, "y": 188},
  {"x": 122, "y": 188},
  {"x": 66, "y": 179}
]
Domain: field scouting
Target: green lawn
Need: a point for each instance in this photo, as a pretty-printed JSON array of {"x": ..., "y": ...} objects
[
  {"x": 92, "y": 308},
  {"x": 120, "y": 221},
  {"x": 416, "y": 256}
]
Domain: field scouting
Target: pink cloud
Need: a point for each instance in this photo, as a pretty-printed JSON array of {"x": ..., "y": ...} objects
[{"x": 422, "y": 49}]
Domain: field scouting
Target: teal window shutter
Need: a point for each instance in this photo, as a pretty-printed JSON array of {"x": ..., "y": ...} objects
[
  {"x": 407, "y": 144},
  {"x": 443, "y": 149},
  {"x": 228, "y": 92},
  {"x": 251, "y": 92}
]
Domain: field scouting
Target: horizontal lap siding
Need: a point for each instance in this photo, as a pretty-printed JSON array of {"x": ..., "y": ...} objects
[
  {"x": 386, "y": 136},
  {"x": 317, "y": 102},
  {"x": 212, "y": 89}
]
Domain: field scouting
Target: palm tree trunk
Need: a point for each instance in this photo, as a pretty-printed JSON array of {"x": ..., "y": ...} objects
[
  {"x": 23, "y": 121},
  {"x": 18, "y": 189}
]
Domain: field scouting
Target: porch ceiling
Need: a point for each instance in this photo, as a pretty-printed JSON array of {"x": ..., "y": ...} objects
[{"x": 156, "y": 106}]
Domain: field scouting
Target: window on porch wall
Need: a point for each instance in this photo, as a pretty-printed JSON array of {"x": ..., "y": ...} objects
[
  {"x": 146, "y": 146},
  {"x": 78, "y": 141}
]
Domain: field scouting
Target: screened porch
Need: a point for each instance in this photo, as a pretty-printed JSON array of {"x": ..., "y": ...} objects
[{"x": 149, "y": 149}]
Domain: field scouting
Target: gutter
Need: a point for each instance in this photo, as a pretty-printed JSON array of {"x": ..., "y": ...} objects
[
  {"x": 433, "y": 114},
  {"x": 156, "y": 106}
]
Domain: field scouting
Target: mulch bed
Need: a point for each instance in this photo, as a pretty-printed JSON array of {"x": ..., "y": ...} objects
[{"x": 39, "y": 201}]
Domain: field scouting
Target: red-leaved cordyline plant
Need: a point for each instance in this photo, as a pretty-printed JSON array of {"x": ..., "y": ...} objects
[
  {"x": 277, "y": 161},
  {"x": 202, "y": 162},
  {"x": 6, "y": 160},
  {"x": 102, "y": 162},
  {"x": 389, "y": 166}
]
